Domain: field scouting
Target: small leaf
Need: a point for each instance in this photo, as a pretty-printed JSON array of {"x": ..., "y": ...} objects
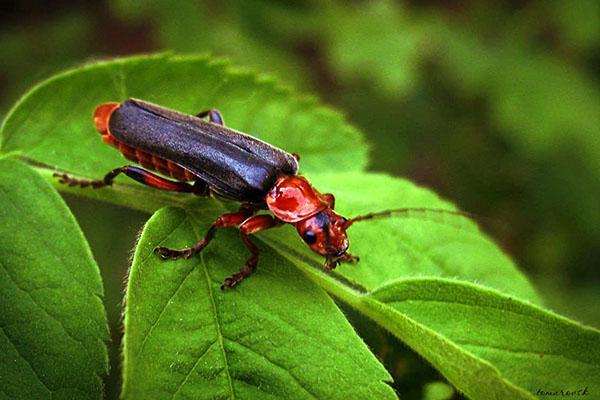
[
  {"x": 53, "y": 324},
  {"x": 487, "y": 343},
  {"x": 53, "y": 125},
  {"x": 276, "y": 335}
]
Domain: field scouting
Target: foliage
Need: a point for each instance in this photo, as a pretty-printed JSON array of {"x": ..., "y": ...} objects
[
  {"x": 435, "y": 282},
  {"x": 53, "y": 325}
]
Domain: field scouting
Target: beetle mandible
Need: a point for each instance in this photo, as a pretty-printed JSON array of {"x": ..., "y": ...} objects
[{"x": 206, "y": 158}]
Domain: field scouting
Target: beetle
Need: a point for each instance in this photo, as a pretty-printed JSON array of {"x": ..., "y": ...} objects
[{"x": 205, "y": 158}]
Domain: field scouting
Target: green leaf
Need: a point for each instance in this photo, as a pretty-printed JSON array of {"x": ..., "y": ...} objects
[
  {"x": 53, "y": 125},
  {"x": 221, "y": 33},
  {"x": 53, "y": 324},
  {"x": 489, "y": 345},
  {"x": 275, "y": 336}
]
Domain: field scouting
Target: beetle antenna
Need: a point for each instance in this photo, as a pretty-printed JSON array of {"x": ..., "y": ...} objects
[{"x": 416, "y": 210}]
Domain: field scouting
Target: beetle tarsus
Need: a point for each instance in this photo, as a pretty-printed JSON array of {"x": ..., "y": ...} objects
[
  {"x": 332, "y": 263},
  {"x": 83, "y": 183},
  {"x": 245, "y": 272},
  {"x": 349, "y": 258},
  {"x": 166, "y": 253}
]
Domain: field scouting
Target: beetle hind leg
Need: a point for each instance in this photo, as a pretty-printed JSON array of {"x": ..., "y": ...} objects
[
  {"x": 139, "y": 174},
  {"x": 248, "y": 268},
  {"x": 251, "y": 225},
  {"x": 66, "y": 179}
]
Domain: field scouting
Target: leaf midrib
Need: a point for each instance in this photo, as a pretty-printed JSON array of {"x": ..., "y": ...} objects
[
  {"x": 190, "y": 218},
  {"x": 517, "y": 351}
]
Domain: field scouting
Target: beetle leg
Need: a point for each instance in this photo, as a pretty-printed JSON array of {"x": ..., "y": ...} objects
[
  {"x": 348, "y": 258},
  {"x": 214, "y": 116},
  {"x": 69, "y": 180},
  {"x": 251, "y": 225},
  {"x": 224, "y": 221},
  {"x": 332, "y": 263},
  {"x": 138, "y": 174}
]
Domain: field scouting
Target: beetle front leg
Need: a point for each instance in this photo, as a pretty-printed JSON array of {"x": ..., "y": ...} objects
[
  {"x": 224, "y": 221},
  {"x": 332, "y": 263},
  {"x": 250, "y": 226}
]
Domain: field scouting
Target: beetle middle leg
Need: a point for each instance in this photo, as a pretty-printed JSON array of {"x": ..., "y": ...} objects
[
  {"x": 214, "y": 116},
  {"x": 251, "y": 225}
]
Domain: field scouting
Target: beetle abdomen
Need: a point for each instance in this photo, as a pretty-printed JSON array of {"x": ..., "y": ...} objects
[
  {"x": 234, "y": 165},
  {"x": 150, "y": 161}
]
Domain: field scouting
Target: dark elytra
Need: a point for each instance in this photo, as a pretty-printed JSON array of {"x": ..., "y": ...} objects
[{"x": 234, "y": 165}]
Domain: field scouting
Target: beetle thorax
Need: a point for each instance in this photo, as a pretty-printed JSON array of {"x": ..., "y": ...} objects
[{"x": 293, "y": 198}]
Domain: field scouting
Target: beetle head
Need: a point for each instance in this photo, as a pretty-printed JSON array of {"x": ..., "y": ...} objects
[{"x": 325, "y": 233}]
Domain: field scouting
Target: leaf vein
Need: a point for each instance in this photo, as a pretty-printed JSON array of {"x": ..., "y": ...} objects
[
  {"x": 214, "y": 307},
  {"x": 60, "y": 323},
  {"x": 288, "y": 372},
  {"x": 520, "y": 351},
  {"x": 182, "y": 383},
  {"x": 162, "y": 312}
]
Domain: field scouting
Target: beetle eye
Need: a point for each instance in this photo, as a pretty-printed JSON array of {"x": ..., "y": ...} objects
[{"x": 309, "y": 237}]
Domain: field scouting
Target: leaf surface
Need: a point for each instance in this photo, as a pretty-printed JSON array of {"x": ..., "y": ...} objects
[
  {"x": 276, "y": 335},
  {"x": 52, "y": 322}
]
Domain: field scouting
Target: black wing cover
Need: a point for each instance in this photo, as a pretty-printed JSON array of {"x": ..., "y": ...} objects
[{"x": 235, "y": 165}]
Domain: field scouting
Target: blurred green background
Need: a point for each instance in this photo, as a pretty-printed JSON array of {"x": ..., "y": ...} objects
[{"x": 493, "y": 104}]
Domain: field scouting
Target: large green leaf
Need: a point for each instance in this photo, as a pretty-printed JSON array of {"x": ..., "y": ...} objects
[
  {"x": 52, "y": 323},
  {"x": 174, "y": 314},
  {"x": 278, "y": 336},
  {"x": 52, "y": 124}
]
